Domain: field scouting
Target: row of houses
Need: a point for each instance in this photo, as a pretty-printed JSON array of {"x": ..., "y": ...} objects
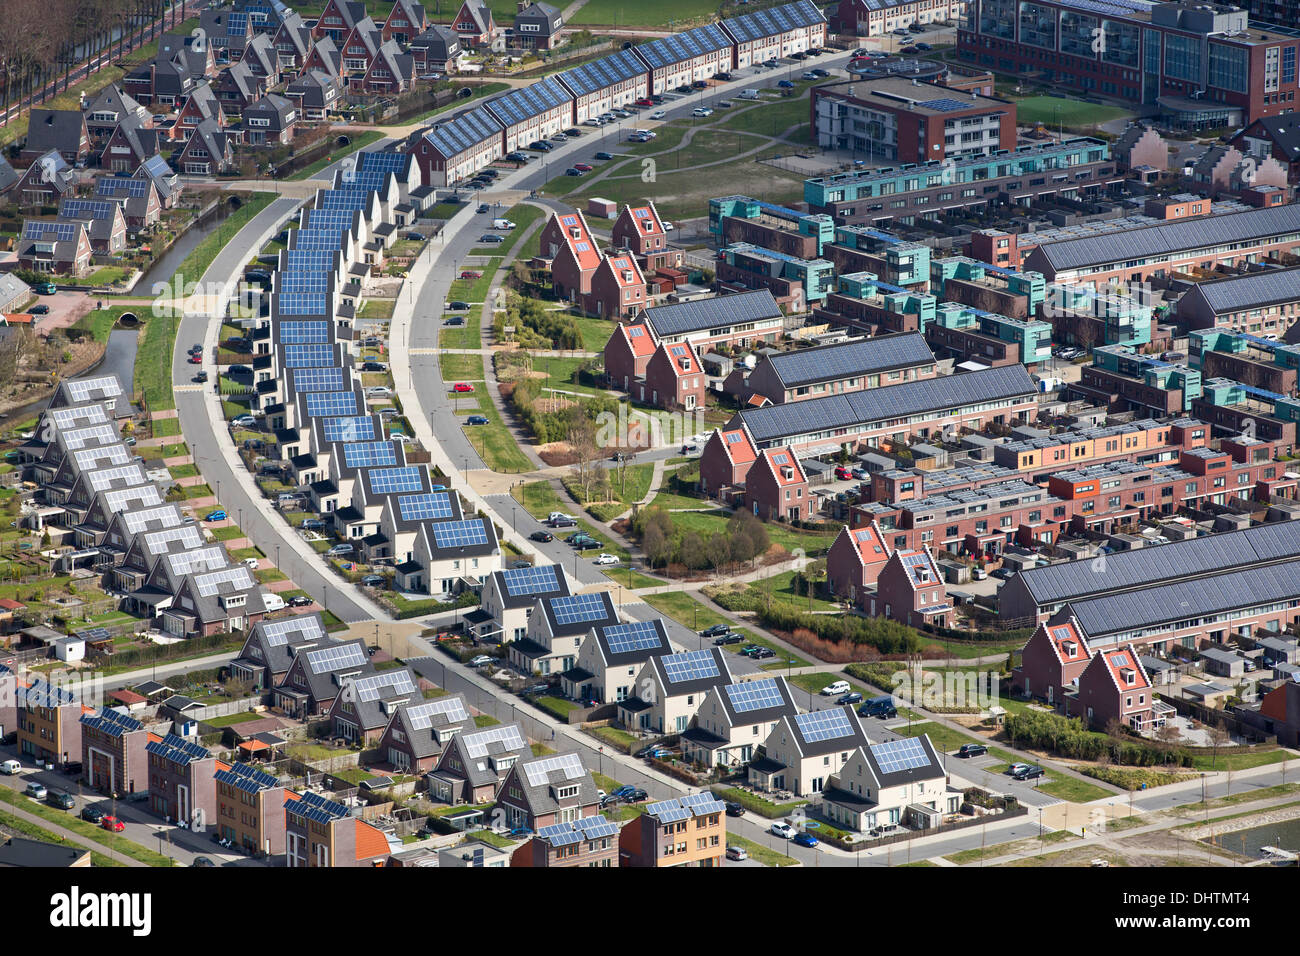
[{"x": 454, "y": 149}]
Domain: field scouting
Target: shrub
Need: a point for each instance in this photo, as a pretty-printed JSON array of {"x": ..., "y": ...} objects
[{"x": 1068, "y": 737}]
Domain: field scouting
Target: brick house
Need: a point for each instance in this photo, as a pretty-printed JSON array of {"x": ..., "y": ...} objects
[
  {"x": 113, "y": 757},
  {"x": 271, "y": 646},
  {"x": 726, "y": 460},
  {"x": 543, "y": 791},
  {"x": 45, "y": 181},
  {"x": 1115, "y": 686},
  {"x": 855, "y": 560},
  {"x": 538, "y": 26},
  {"x": 627, "y": 352},
  {"x": 317, "y": 675},
  {"x": 405, "y": 22},
  {"x": 474, "y": 24},
  {"x": 215, "y": 602},
  {"x": 776, "y": 488},
  {"x": 320, "y": 832},
  {"x": 683, "y": 831},
  {"x": 182, "y": 782},
  {"x": 62, "y": 130},
  {"x": 910, "y": 590},
  {"x": 49, "y": 722},
  {"x": 1051, "y": 662},
  {"x": 639, "y": 230},
  {"x": 567, "y": 241},
  {"x": 361, "y": 711},
  {"x": 104, "y": 220},
  {"x": 209, "y": 151},
  {"x": 591, "y": 841},
  {"x": 473, "y": 765},
  {"x": 674, "y": 379},
  {"x": 60, "y": 247},
  {"x": 418, "y": 733},
  {"x": 138, "y": 198},
  {"x": 250, "y": 809},
  {"x": 270, "y": 121},
  {"x": 618, "y": 289}
]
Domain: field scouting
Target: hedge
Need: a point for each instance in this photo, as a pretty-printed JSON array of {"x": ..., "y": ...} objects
[
  {"x": 1067, "y": 737},
  {"x": 888, "y": 637}
]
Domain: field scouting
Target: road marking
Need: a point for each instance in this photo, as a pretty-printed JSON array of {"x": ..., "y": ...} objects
[
  {"x": 187, "y": 388},
  {"x": 423, "y": 351}
]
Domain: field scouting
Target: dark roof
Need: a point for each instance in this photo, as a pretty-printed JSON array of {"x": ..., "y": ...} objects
[
  {"x": 21, "y": 852},
  {"x": 1251, "y": 291},
  {"x": 829, "y": 362},
  {"x": 55, "y": 129},
  {"x": 756, "y": 701},
  {"x": 568, "y": 614},
  {"x": 893, "y": 772},
  {"x": 1284, "y": 131},
  {"x": 700, "y": 314}
]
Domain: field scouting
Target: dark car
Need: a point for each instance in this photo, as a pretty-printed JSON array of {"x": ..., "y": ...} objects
[
  {"x": 312, "y": 524},
  {"x": 299, "y": 600},
  {"x": 541, "y": 146},
  {"x": 201, "y": 377},
  {"x": 374, "y": 367},
  {"x": 257, "y": 275},
  {"x": 761, "y": 654},
  {"x": 415, "y": 236},
  {"x": 458, "y": 306},
  {"x": 542, "y": 536},
  {"x": 852, "y": 697},
  {"x": 924, "y": 47},
  {"x": 573, "y": 132},
  {"x": 239, "y": 370},
  {"x": 454, "y": 320},
  {"x": 518, "y": 157},
  {"x": 202, "y": 861},
  {"x": 727, "y": 639},
  {"x": 879, "y": 707},
  {"x": 909, "y": 49},
  {"x": 476, "y": 420},
  {"x": 92, "y": 814},
  {"x": 715, "y": 630},
  {"x": 1030, "y": 773},
  {"x": 572, "y": 172},
  {"x": 63, "y": 801},
  {"x": 972, "y": 750},
  {"x": 39, "y": 310},
  {"x": 724, "y": 76},
  {"x": 604, "y": 155},
  {"x": 734, "y": 809}
]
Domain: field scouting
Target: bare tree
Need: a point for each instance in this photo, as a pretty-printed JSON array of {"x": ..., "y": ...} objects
[{"x": 1219, "y": 738}]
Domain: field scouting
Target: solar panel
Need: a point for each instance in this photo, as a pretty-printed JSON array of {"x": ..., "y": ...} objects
[
  {"x": 480, "y": 744},
  {"x": 51, "y": 231},
  {"x": 387, "y": 683},
  {"x": 822, "y": 725},
  {"x": 451, "y": 709},
  {"x": 357, "y": 428},
  {"x": 305, "y": 333},
  {"x": 541, "y": 771},
  {"x": 326, "y": 660},
  {"x": 238, "y": 578},
  {"x": 88, "y": 459},
  {"x": 307, "y": 627},
  {"x": 177, "y": 749},
  {"x": 136, "y": 521},
  {"x": 302, "y": 281},
  {"x": 754, "y": 695},
  {"x": 81, "y": 437},
  {"x": 689, "y": 665},
  {"x": 320, "y": 404},
  {"x": 107, "y": 477},
  {"x": 248, "y": 779},
  {"x": 117, "y": 186},
  {"x": 632, "y": 636},
  {"x": 111, "y": 722},
  {"x": 668, "y": 811},
  {"x": 389, "y": 481},
  {"x": 576, "y": 608},
  {"x": 306, "y": 356},
  {"x": 460, "y": 534},
  {"x": 896, "y": 755},
  {"x": 541, "y": 579},
  {"x": 701, "y": 803},
  {"x": 302, "y": 303},
  {"x": 88, "y": 208},
  {"x": 188, "y": 535},
  {"x": 436, "y": 504},
  {"x": 316, "y": 808},
  {"x": 369, "y": 454},
  {"x": 382, "y": 162},
  {"x": 944, "y": 105},
  {"x": 317, "y": 379},
  {"x": 65, "y": 417},
  {"x": 595, "y": 828},
  {"x": 310, "y": 260},
  {"x": 118, "y": 499},
  {"x": 202, "y": 559},
  {"x": 88, "y": 389}
]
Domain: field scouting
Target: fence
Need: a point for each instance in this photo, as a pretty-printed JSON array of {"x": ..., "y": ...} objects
[{"x": 884, "y": 841}]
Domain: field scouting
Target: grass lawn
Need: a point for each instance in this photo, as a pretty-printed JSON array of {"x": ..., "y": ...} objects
[
  {"x": 355, "y": 143},
  {"x": 628, "y": 488},
  {"x": 619, "y": 739},
  {"x": 229, "y": 720},
  {"x": 974, "y": 855},
  {"x": 780, "y": 587},
  {"x": 485, "y": 720},
  {"x": 1053, "y": 110},
  {"x": 538, "y": 498},
  {"x": 228, "y": 533},
  {"x": 377, "y": 309},
  {"x": 555, "y": 705},
  {"x": 107, "y": 275},
  {"x": 662, "y": 13},
  {"x": 763, "y": 854},
  {"x": 631, "y": 579},
  {"x": 467, "y": 336},
  {"x": 1074, "y": 790},
  {"x": 1243, "y": 761},
  {"x": 480, "y": 89},
  {"x": 943, "y": 738},
  {"x": 815, "y": 681},
  {"x": 753, "y": 802},
  {"x": 88, "y": 831},
  {"x": 685, "y": 610},
  {"x": 595, "y": 332},
  {"x": 461, "y": 368},
  {"x": 708, "y": 523}
]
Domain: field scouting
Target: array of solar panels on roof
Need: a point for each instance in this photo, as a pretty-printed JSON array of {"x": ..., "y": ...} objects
[
  {"x": 327, "y": 660},
  {"x": 819, "y": 725},
  {"x": 432, "y": 505},
  {"x": 689, "y": 666},
  {"x": 752, "y": 695},
  {"x": 450, "y": 710},
  {"x": 354, "y": 428},
  {"x": 468, "y": 533},
  {"x": 632, "y": 636},
  {"x": 555, "y": 768},
  {"x": 306, "y": 627},
  {"x": 520, "y": 582},
  {"x": 579, "y": 608},
  {"x": 493, "y": 740}
]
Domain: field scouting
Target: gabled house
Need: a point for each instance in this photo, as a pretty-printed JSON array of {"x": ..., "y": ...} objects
[
  {"x": 804, "y": 751},
  {"x": 450, "y": 151},
  {"x": 104, "y": 221},
  {"x": 262, "y": 59},
  {"x": 271, "y": 647},
  {"x": 674, "y": 378},
  {"x": 1115, "y": 687},
  {"x": 508, "y": 599},
  {"x": 1051, "y": 662},
  {"x": 338, "y": 19},
  {"x": 475, "y": 26},
  {"x": 911, "y": 590},
  {"x": 314, "y": 94},
  {"x": 113, "y": 757},
  {"x": 164, "y": 179},
  {"x": 776, "y": 488},
  {"x": 199, "y": 104},
  {"x": 182, "y": 781},
  {"x": 726, "y": 460},
  {"x": 323, "y": 833},
  {"x": 640, "y": 230},
  {"x": 45, "y": 181},
  {"x": 62, "y": 130},
  {"x": 48, "y": 722},
  {"x": 215, "y": 602},
  {"x": 317, "y": 675},
  {"x": 670, "y": 689},
  {"x": 472, "y": 766},
  {"x": 237, "y": 87},
  {"x": 543, "y": 791},
  {"x": 855, "y": 560},
  {"x": 59, "y": 247},
  {"x": 402, "y": 520},
  {"x": 8, "y": 177},
  {"x": 138, "y": 198},
  {"x": 735, "y": 720},
  {"x": 418, "y": 732},
  {"x": 292, "y": 41},
  {"x": 210, "y": 151},
  {"x": 627, "y": 352},
  {"x": 1275, "y": 136},
  {"x": 538, "y": 27},
  {"x": 436, "y": 50},
  {"x": 405, "y": 22},
  {"x": 325, "y": 57},
  {"x": 618, "y": 289},
  {"x": 172, "y": 74},
  {"x": 610, "y": 657},
  {"x": 450, "y": 556},
  {"x": 130, "y": 145},
  {"x": 682, "y": 831},
  {"x": 390, "y": 71},
  {"x": 900, "y": 781},
  {"x": 270, "y": 121},
  {"x": 556, "y": 629},
  {"x": 109, "y": 108},
  {"x": 364, "y": 706}
]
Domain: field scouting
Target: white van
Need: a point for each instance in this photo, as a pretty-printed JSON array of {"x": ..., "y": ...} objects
[
  {"x": 748, "y": 94},
  {"x": 10, "y": 767},
  {"x": 502, "y": 224},
  {"x": 250, "y": 563},
  {"x": 839, "y": 687},
  {"x": 273, "y": 602}
]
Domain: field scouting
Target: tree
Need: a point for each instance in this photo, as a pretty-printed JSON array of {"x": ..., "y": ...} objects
[
  {"x": 692, "y": 551},
  {"x": 719, "y": 551},
  {"x": 656, "y": 545},
  {"x": 1219, "y": 738}
]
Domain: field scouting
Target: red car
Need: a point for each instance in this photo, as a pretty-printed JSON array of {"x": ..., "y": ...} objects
[
  {"x": 196, "y": 359},
  {"x": 583, "y": 167},
  {"x": 112, "y": 823},
  {"x": 645, "y": 101},
  {"x": 842, "y": 472},
  {"x": 467, "y": 274},
  {"x": 462, "y": 387}
]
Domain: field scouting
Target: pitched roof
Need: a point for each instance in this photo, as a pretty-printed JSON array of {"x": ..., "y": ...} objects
[
  {"x": 1251, "y": 291},
  {"x": 577, "y": 236},
  {"x": 778, "y": 460},
  {"x": 701, "y": 314},
  {"x": 737, "y": 446},
  {"x": 1124, "y": 668},
  {"x": 1066, "y": 642},
  {"x": 899, "y": 762},
  {"x": 842, "y": 360},
  {"x": 825, "y": 731},
  {"x": 638, "y": 338},
  {"x": 756, "y": 701}
]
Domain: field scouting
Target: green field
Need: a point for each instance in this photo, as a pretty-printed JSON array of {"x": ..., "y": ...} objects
[
  {"x": 685, "y": 610},
  {"x": 1053, "y": 111},
  {"x": 660, "y": 14}
]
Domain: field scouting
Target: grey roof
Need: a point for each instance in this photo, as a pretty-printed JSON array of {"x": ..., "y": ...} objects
[
  {"x": 779, "y": 422},
  {"x": 893, "y": 772},
  {"x": 767, "y": 23},
  {"x": 539, "y": 776},
  {"x": 1180, "y": 559},
  {"x": 280, "y": 640},
  {"x": 321, "y": 664},
  {"x": 681, "y": 317},
  {"x": 1251, "y": 291},
  {"x": 604, "y": 72},
  {"x": 756, "y": 701},
  {"x": 1148, "y": 607},
  {"x": 12, "y": 289},
  {"x": 8, "y": 176},
  {"x": 55, "y": 129},
  {"x": 1284, "y": 131},
  {"x": 829, "y": 362},
  {"x": 1171, "y": 237},
  {"x": 464, "y": 132},
  {"x": 423, "y": 721},
  {"x": 478, "y": 750}
]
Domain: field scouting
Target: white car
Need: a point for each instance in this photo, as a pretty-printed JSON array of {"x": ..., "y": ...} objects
[
  {"x": 701, "y": 111},
  {"x": 647, "y": 133},
  {"x": 399, "y": 437},
  {"x": 480, "y": 660},
  {"x": 737, "y": 853},
  {"x": 668, "y": 226},
  {"x": 593, "y": 122},
  {"x": 782, "y": 830},
  {"x": 606, "y": 559},
  {"x": 658, "y": 115},
  {"x": 378, "y": 391},
  {"x": 243, "y": 421},
  {"x": 839, "y": 687},
  {"x": 558, "y": 516}
]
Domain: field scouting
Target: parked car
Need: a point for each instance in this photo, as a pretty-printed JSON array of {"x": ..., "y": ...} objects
[
  {"x": 239, "y": 370},
  {"x": 482, "y": 208},
  {"x": 737, "y": 853},
  {"x": 702, "y": 111},
  {"x": 781, "y": 829},
  {"x": 312, "y": 524},
  {"x": 196, "y": 358},
  {"x": 1016, "y": 768},
  {"x": 39, "y": 310},
  {"x": 605, "y": 558},
  {"x": 202, "y": 861},
  {"x": 10, "y": 767},
  {"x": 92, "y": 814},
  {"x": 36, "y": 791},
  {"x": 972, "y": 750},
  {"x": 659, "y": 114},
  {"x": 480, "y": 660},
  {"x": 374, "y": 367},
  {"x": 734, "y": 809},
  {"x": 1030, "y": 773},
  {"x": 243, "y": 421},
  {"x": 112, "y": 823},
  {"x": 540, "y": 146},
  {"x": 477, "y": 420},
  {"x": 458, "y": 306},
  {"x": 454, "y": 321},
  {"x": 909, "y": 50},
  {"x": 843, "y": 473},
  {"x": 492, "y": 239},
  {"x": 462, "y": 387},
  {"x": 805, "y": 839},
  {"x": 602, "y": 155},
  {"x": 200, "y": 376},
  {"x": 63, "y": 801},
  {"x": 836, "y": 688},
  {"x": 378, "y": 391},
  {"x": 852, "y": 697},
  {"x": 217, "y": 515},
  {"x": 518, "y": 157},
  {"x": 572, "y": 171},
  {"x": 714, "y": 630},
  {"x": 785, "y": 85},
  {"x": 339, "y": 549},
  {"x": 727, "y": 639},
  {"x": 879, "y": 707},
  {"x": 542, "y": 536},
  {"x": 471, "y": 274},
  {"x": 300, "y": 600},
  {"x": 415, "y": 236},
  {"x": 583, "y": 167}
]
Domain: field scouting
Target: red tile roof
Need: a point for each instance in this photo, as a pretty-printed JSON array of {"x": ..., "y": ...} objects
[
  {"x": 370, "y": 842},
  {"x": 579, "y": 239},
  {"x": 682, "y": 358},
  {"x": 1068, "y": 643},
  {"x": 643, "y": 215},
  {"x": 779, "y": 459},
  {"x": 1120, "y": 661},
  {"x": 626, "y": 272},
  {"x": 639, "y": 339},
  {"x": 870, "y": 543},
  {"x": 737, "y": 446}
]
